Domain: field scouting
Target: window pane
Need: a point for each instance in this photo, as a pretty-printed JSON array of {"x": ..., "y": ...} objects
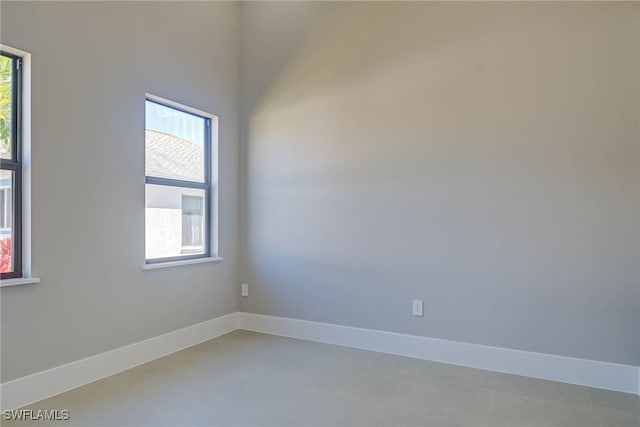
[
  {"x": 6, "y": 109},
  {"x": 174, "y": 221},
  {"x": 174, "y": 143},
  {"x": 6, "y": 220}
]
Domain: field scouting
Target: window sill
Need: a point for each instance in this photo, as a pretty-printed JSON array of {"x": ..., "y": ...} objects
[
  {"x": 20, "y": 281},
  {"x": 179, "y": 263}
]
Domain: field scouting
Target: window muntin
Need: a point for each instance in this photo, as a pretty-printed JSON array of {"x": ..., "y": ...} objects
[
  {"x": 178, "y": 183},
  {"x": 10, "y": 166}
]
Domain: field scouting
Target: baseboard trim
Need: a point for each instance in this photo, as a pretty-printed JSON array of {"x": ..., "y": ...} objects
[
  {"x": 585, "y": 372},
  {"x": 32, "y": 388},
  {"x": 41, "y": 385}
]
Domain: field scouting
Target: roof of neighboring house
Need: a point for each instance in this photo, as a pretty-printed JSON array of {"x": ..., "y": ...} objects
[{"x": 168, "y": 156}]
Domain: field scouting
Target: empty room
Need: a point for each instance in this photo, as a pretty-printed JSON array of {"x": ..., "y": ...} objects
[{"x": 314, "y": 213}]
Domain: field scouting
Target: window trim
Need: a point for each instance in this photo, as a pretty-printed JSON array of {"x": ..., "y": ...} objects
[
  {"x": 209, "y": 186},
  {"x": 163, "y": 265},
  {"x": 15, "y": 165}
]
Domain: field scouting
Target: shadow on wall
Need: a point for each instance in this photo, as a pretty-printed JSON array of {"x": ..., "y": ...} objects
[{"x": 341, "y": 47}]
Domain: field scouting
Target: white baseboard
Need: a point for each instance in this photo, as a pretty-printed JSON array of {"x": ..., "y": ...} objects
[
  {"x": 32, "y": 388},
  {"x": 590, "y": 373}
]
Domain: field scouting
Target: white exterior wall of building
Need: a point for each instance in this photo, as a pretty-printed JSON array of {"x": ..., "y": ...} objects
[{"x": 163, "y": 220}]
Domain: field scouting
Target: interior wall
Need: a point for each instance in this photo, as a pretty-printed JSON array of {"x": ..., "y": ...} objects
[
  {"x": 92, "y": 64},
  {"x": 482, "y": 157}
]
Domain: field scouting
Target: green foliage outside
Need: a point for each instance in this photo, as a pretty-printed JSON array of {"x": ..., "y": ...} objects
[{"x": 5, "y": 104}]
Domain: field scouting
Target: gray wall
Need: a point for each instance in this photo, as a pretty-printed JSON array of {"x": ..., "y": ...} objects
[
  {"x": 482, "y": 157},
  {"x": 92, "y": 64}
]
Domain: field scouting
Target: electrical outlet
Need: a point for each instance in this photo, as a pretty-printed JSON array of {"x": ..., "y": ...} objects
[
  {"x": 417, "y": 307},
  {"x": 244, "y": 290}
]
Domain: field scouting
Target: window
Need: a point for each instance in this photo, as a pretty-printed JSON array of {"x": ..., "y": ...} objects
[
  {"x": 178, "y": 176},
  {"x": 192, "y": 224},
  {"x": 10, "y": 166},
  {"x": 5, "y": 208}
]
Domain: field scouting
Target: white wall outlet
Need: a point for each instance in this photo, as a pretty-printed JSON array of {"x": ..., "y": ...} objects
[
  {"x": 244, "y": 290},
  {"x": 417, "y": 307}
]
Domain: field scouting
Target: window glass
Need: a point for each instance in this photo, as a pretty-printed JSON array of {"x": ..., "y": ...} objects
[
  {"x": 6, "y": 106},
  {"x": 6, "y": 217},
  {"x": 174, "y": 146},
  {"x": 174, "y": 221}
]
